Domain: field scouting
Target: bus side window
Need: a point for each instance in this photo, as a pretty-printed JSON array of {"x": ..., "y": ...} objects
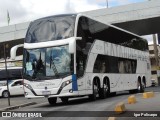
[
  {"x": 81, "y": 61},
  {"x": 82, "y": 47},
  {"x": 101, "y": 64}
]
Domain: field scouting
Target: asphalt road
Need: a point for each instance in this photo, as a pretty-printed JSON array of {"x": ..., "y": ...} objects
[
  {"x": 95, "y": 108},
  {"x": 17, "y": 100}
]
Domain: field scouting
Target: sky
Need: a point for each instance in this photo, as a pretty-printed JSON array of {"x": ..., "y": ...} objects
[{"x": 27, "y": 10}]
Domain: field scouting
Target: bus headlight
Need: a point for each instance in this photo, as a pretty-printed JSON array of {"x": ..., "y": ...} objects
[
  {"x": 66, "y": 83},
  {"x": 28, "y": 86}
]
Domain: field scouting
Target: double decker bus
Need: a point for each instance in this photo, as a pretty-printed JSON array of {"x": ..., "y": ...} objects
[{"x": 76, "y": 55}]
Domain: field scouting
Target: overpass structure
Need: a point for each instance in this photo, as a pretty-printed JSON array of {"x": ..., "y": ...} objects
[{"x": 140, "y": 18}]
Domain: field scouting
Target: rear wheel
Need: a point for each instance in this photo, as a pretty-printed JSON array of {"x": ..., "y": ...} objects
[
  {"x": 64, "y": 99},
  {"x": 144, "y": 82},
  {"x": 5, "y": 94},
  {"x": 95, "y": 92},
  {"x": 104, "y": 91},
  {"x": 52, "y": 101},
  {"x": 141, "y": 87},
  {"x": 113, "y": 94},
  {"x": 132, "y": 91}
]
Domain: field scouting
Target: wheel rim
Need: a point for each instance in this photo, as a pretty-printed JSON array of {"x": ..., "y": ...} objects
[
  {"x": 105, "y": 87},
  {"x": 139, "y": 87},
  {"x": 95, "y": 90},
  {"x": 5, "y": 94},
  {"x": 143, "y": 87}
]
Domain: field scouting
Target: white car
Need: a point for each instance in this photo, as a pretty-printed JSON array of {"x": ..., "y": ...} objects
[{"x": 15, "y": 88}]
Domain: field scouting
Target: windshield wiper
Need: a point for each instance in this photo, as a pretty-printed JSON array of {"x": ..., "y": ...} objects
[{"x": 53, "y": 66}]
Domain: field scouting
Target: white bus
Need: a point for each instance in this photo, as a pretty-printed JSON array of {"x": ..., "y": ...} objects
[{"x": 75, "y": 55}]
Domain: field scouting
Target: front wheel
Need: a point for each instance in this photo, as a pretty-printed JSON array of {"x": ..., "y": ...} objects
[
  {"x": 52, "y": 101},
  {"x": 64, "y": 99},
  {"x": 5, "y": 94}
]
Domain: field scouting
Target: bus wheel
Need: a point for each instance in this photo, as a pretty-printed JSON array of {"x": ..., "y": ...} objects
[
  {"x": 5, "y": 94},
  {"x": 64, "y": 99},
  {"x": 141, "y": 87},
  {"x": 113, "y": 94},
  {"x": 104, "y": 91},
  {"x": 133, "y": 91},
  {"x": 52, "y": 101},
  {"x": 95, "y": 92}
]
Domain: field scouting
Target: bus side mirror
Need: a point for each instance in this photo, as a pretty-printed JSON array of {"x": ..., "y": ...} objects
[
  {"x": 78, "y": 38},
  {"x": 13, "y": 51},
  {"x": 72, "y": 44}
]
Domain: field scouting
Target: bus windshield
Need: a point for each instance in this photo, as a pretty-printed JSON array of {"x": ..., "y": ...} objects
[
  {"x": 47, "y": 63},
  {"x": 50, "y": 29}
]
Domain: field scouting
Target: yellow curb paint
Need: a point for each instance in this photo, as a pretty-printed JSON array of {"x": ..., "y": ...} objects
[
  {"x": 148, "y": 94},
  {"x": 112, "y": 118},
  {"x": 120, "y": 108},
  {"x": 131, "y": 99}
]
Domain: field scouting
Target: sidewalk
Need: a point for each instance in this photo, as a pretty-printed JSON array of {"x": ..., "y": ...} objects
[{"x": 19, "y": 100}]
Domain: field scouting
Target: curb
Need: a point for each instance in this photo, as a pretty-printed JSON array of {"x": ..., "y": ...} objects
[{"x": 18, "y": 106}]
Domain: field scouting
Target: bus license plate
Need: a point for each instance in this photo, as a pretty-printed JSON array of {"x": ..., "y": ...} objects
[{"x": 46, "y": 92}]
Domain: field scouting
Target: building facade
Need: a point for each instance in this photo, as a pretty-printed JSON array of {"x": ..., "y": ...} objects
[{"x": 155, "y": 70}]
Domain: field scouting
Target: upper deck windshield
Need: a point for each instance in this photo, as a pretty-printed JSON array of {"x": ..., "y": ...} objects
[
  {"x": 47, "y": 63},
  {"x": 51, "y": 28}
]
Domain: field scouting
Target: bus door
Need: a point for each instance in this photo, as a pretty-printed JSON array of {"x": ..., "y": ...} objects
[{"x": 80, "y": 68}]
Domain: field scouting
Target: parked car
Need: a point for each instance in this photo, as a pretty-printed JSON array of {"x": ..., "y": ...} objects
[
  {"x": 15, "y": 81},
  {"x": 153, "y": 82},
  {"x": 15, "y": 88}
]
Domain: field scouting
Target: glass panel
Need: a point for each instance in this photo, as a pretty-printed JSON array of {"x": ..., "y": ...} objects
[
  {"x": 50, "y": 29},
  {"x": 110, "y": 64},
  {"x": 92, "y": 30},
  {"x": 47, "y": 63},
  {"x": 57, "y": 61}
]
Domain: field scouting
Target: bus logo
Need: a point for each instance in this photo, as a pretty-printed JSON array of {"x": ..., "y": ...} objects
[{"x": 6, "y": 114}]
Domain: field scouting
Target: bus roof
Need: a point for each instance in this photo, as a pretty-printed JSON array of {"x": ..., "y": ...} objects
[{"x": 96, "y": 19}]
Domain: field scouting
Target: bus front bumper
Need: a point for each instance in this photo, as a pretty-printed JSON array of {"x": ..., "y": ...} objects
[{"x": 49, "y": 93}]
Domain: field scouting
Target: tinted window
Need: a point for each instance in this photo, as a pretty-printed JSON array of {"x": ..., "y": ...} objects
[
  {"x": 151, "y": 52},
  {"x": 82, "y": 46},
  {"x": 110, "y": 64},
  {"x": 97, "y": 30},
  {"x": 17, "y": 83},
  {"x": 153, "y": 72},
  {"x": 81, "y": 63},
  {"x": 12, "y": 74}
]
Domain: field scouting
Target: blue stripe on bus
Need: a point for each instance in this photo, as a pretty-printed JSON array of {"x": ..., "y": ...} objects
[{"x": 74, "y": 83}]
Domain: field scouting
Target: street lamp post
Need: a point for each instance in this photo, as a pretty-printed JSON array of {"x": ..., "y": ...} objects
[
  {"x": 107, "y": 3},
  {"x": 6, "y": 46}
]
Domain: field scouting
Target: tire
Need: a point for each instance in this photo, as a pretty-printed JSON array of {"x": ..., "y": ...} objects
[
  {"x": 93, "y": 96},
  {"x": 140, "y": 88},
  {"x": 133, "y": 91},
  {"x": 113, "y": 94},
  {"x": 52, "y": 101},
  {"x": 5, "y": 94},
  {"x": 64, "y": 99},
  {"x": 104, "y": 92},
  {"x": 144, "y": 84}
]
